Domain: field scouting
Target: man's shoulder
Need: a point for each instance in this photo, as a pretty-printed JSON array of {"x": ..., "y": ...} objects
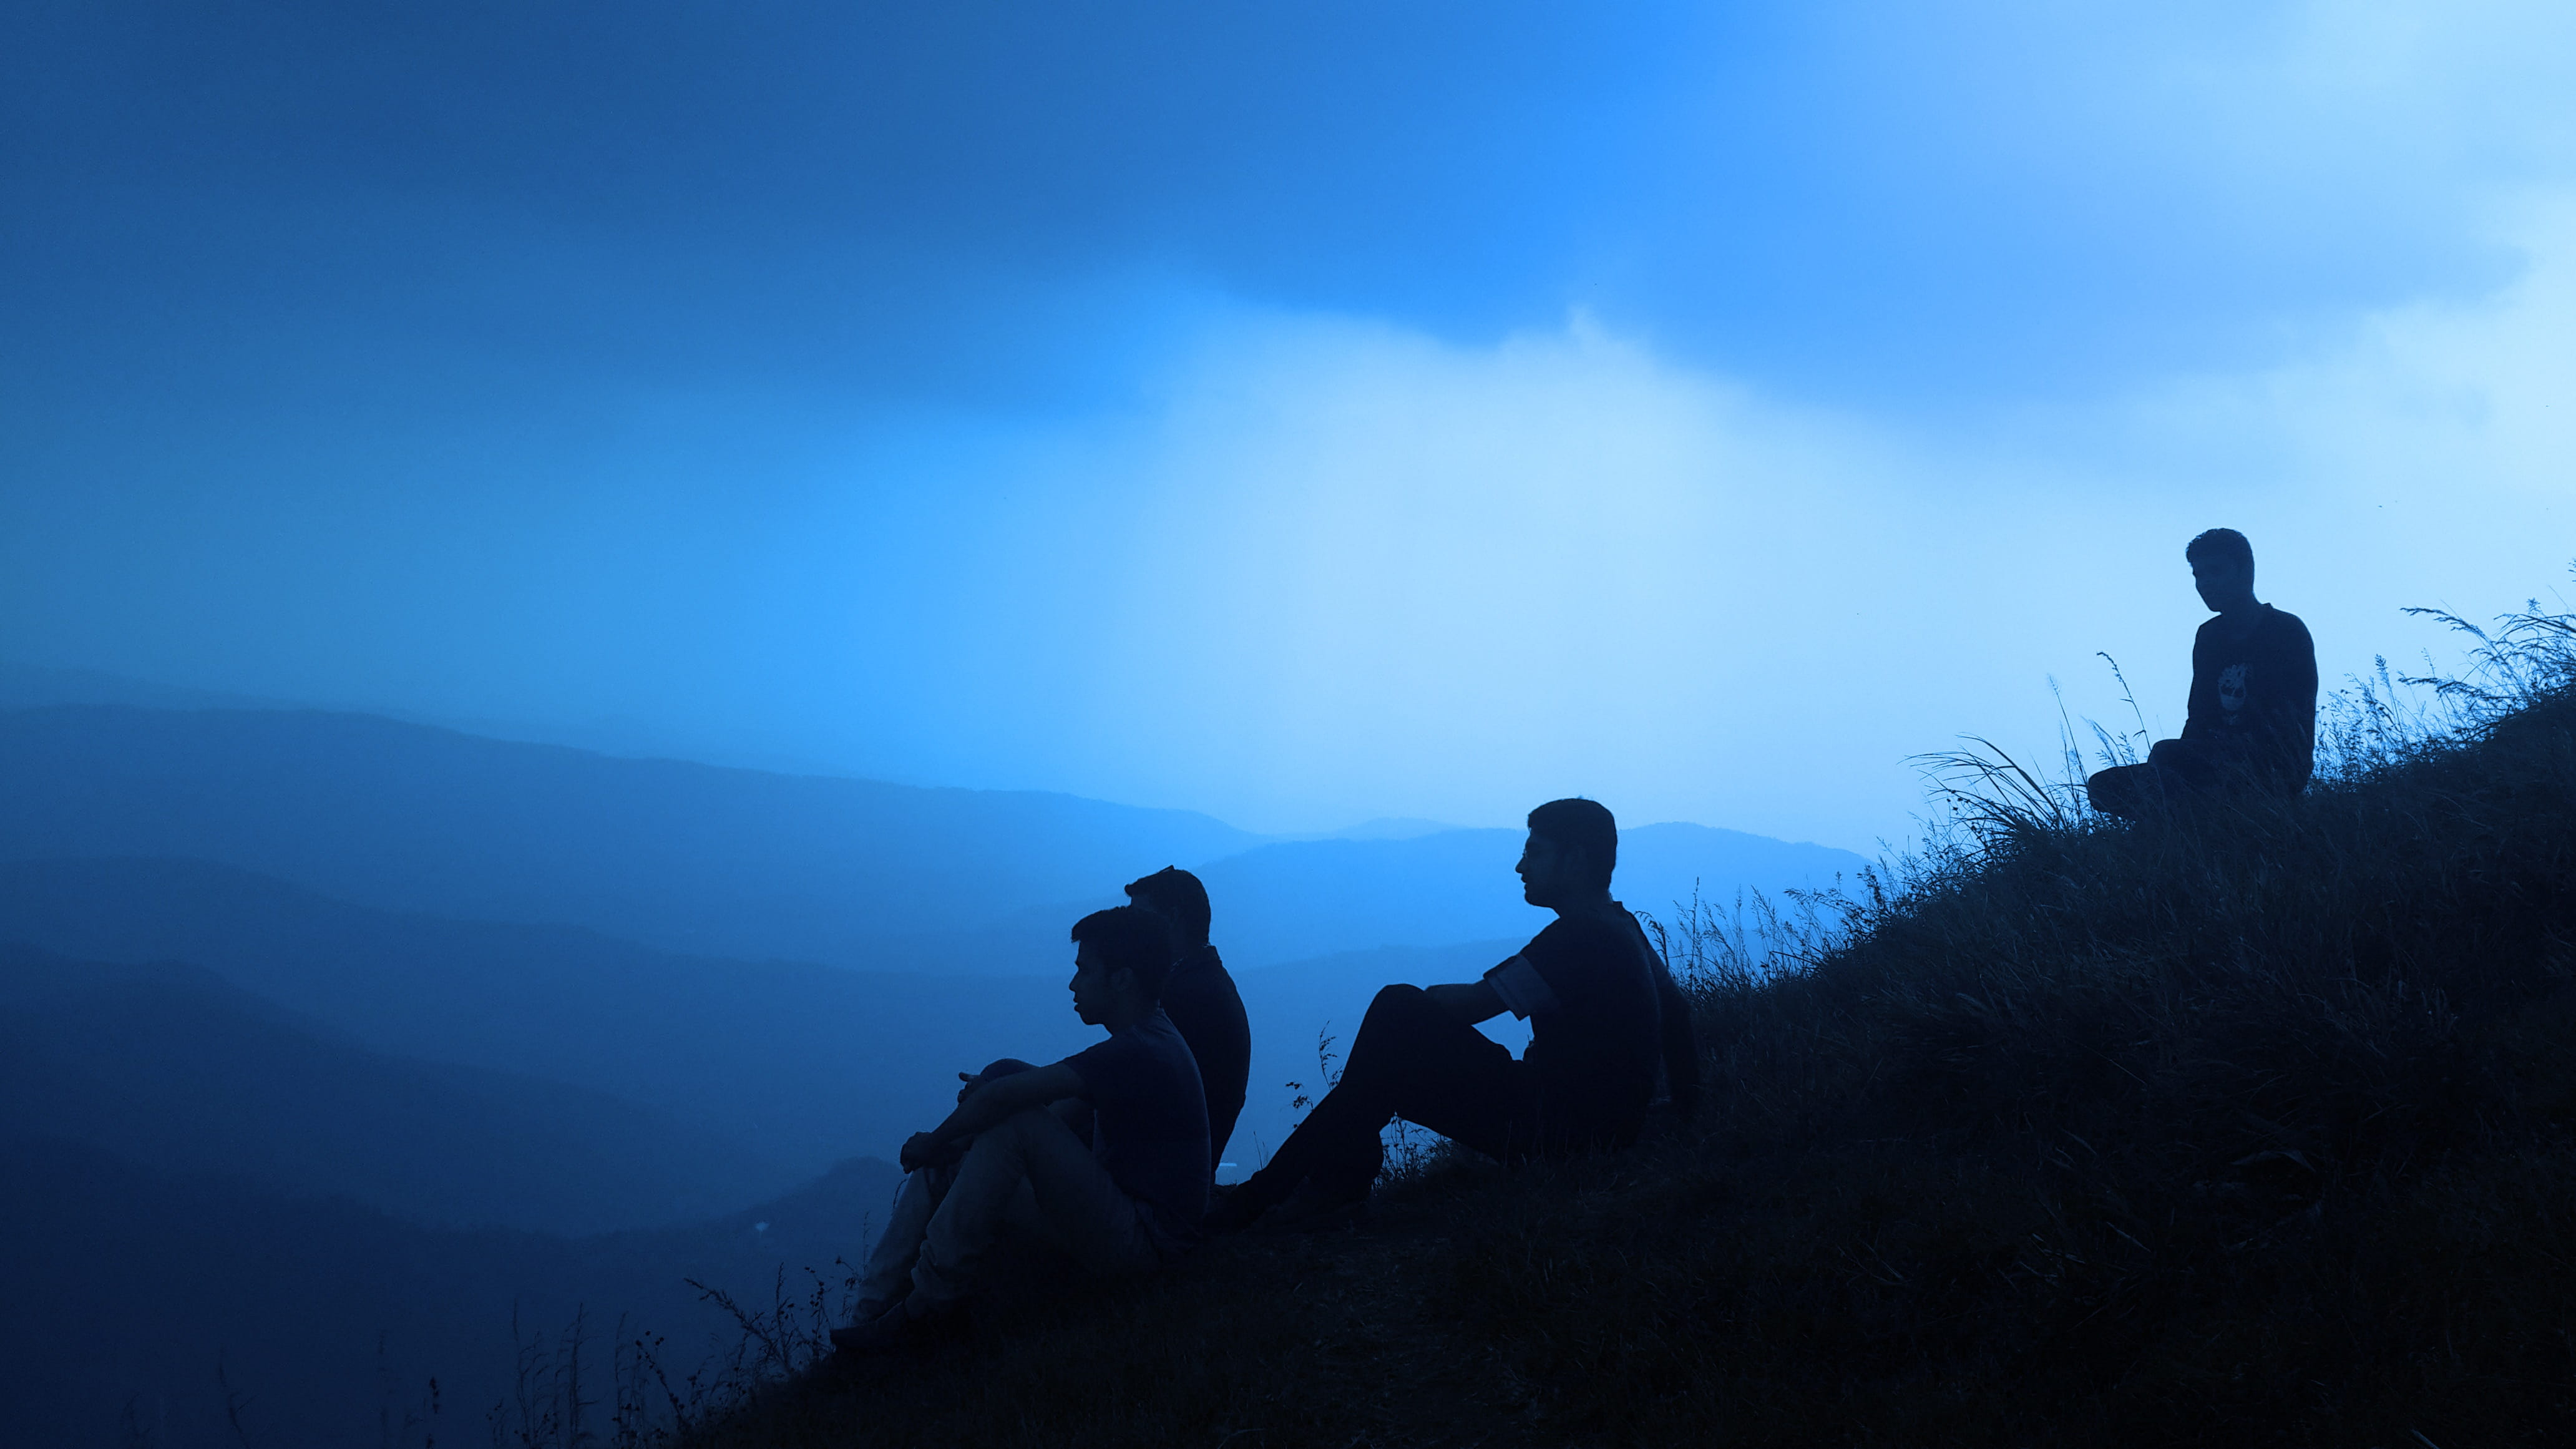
[
  {"x": 2206, "y": 643},
  {"x": 2278, "y": 626},
  {"x": 1202, "y": 969},
  {"x": 1582, "y": 936},
  {"x": 1157, "y": 1035},
  {"x": 1149, "y": 1037},
  {"x": 1633, "y": 932}
]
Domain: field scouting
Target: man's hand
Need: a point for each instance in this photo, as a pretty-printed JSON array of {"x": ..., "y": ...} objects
[
  {"x": 1006, "y": 1067},
  {"x": 924, "y": 1149},
  {"x": 988, "y": 1097}
]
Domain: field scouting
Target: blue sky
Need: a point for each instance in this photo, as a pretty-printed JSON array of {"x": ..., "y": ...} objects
[{"x": 1297, "y": 413}]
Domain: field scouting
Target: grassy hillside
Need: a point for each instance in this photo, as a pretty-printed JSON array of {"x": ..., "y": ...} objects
[{"x": 2251, "y": 1126}]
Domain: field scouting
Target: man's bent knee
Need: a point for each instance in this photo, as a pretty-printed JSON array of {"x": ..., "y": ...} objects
[
  {"x": 1400, "y": 1009},
  {"x": 1025, "y": 1121},
  {"x": 1399, "y": 998},
  {"x": 1015, "y": 1133}
]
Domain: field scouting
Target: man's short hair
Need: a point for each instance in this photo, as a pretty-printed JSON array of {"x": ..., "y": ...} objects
[
  {"x": 2220, "y": 543},
  {"x": 1584, "y": 827},
  {"x": 1176, "y": 896},
  {"x": 1133, "y": 937}
]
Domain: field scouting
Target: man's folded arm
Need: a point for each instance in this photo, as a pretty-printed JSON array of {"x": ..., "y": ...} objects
[
  {"x": 1517, "y": 986},
  {"x": 1469, "y": 1001},
  {"x": 994, "y": 1099}
]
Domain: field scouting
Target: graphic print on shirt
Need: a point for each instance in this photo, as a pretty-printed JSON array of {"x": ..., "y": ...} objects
[{"x": 2231, "y": 691}]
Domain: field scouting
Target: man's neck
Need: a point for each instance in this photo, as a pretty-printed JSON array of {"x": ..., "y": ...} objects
[
  {"x": 1589, "y": 904},
  {"x": 1125, "y": 1014},
  {"x": 2239, "y": 619}
]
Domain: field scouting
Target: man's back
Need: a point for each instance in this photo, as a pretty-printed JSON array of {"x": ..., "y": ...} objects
[
  {"x": 1149, "y": 1120},
  {"x": 2254, "y": 696},
  {"x": 1593, "y": 1053},
  {"x": 1204, "y": 1005}
]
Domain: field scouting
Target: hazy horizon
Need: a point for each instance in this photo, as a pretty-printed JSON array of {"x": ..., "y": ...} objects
[
  {"x": 1298, "y": 418},
  {"x": 627, "y": 739}
]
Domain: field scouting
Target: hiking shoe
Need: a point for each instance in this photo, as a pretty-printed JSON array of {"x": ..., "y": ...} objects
[{"x": 903, "y": 1327}]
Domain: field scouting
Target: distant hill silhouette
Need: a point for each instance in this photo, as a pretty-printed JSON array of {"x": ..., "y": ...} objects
[
  {"x": 797, "y": 1064},
  {"x": 800, "y": 1064},
  {"x": 1279, "y": 903},
  {"x": 1298, "y": 900},
  {"x": 1387, "y": 827},
  {"x": 683, "y": 856},
  {"x": 646, "y": 929},
  {"x": 748, "y": 864},
  {"x": 171, "y": 1069},
  {"x": 33, "y": 686},
  {"x": 122, "y": 1289}
]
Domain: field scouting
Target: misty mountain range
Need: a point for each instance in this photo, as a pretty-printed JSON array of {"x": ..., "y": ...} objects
[
  {"x": 682, "y": 856},
  {"x": 171, "y": 1066},
  {"x": 128, "y": 1288},
  {"x": 747, "y": 864},
  {"x": 462, "y": 998}
]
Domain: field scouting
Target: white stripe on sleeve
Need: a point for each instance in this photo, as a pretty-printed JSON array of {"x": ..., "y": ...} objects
[{"x": 1520, "y": 986}]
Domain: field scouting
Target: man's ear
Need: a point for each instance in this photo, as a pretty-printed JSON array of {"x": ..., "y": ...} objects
[{"x": 1123, "y": 979}]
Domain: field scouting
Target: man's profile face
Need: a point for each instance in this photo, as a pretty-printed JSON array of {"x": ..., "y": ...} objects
[
  {"x": 2222, "y": 582},
  {"x": 1546, "y": 870},
  {"x": 1093, "y": 990}
]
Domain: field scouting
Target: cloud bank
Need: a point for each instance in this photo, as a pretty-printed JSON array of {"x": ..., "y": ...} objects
[{"x": 1300, "y": 416}]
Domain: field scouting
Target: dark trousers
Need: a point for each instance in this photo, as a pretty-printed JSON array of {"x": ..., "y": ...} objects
[
  {"x": 1410, "y": 1059},
  {"x": 2174, "y": 771}
]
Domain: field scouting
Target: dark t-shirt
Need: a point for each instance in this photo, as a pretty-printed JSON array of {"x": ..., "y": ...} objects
[
  {"x": 2254, "y": 699},
  {"x": 1149, "y": 1122},
  {"x": 1593, "y": 1052},
  {"x": 1202, "y": 1002}
]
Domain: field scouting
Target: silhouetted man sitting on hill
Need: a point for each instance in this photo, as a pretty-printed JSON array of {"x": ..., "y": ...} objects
[
  {"x": 1129, "y": 1201},
  {"x": 1602, "y": 1008},
  {"x": 2252, "y": 723},
  {"x": 1201, "y": 999}
]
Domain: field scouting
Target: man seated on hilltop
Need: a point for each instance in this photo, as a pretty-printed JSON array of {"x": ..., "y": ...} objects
[
  {"x": 2252, "y": 718},
  {"x": 1004, "y": 1164},
  {"x": 1602, "y": 1008},
  {"x": 1201, "y": 999}
]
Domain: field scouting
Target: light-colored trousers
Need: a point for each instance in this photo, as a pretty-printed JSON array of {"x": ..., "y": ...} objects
[{"x": 1025, "y": 1176}]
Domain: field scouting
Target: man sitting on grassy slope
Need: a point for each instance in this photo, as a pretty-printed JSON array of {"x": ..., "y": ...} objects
[
  {"x": 1201, "y": 999},
  {"x": 1128, "y": 1202},
  {"x": 2253, "y": 710},
  {"x": 1601, "y": 1005}
]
